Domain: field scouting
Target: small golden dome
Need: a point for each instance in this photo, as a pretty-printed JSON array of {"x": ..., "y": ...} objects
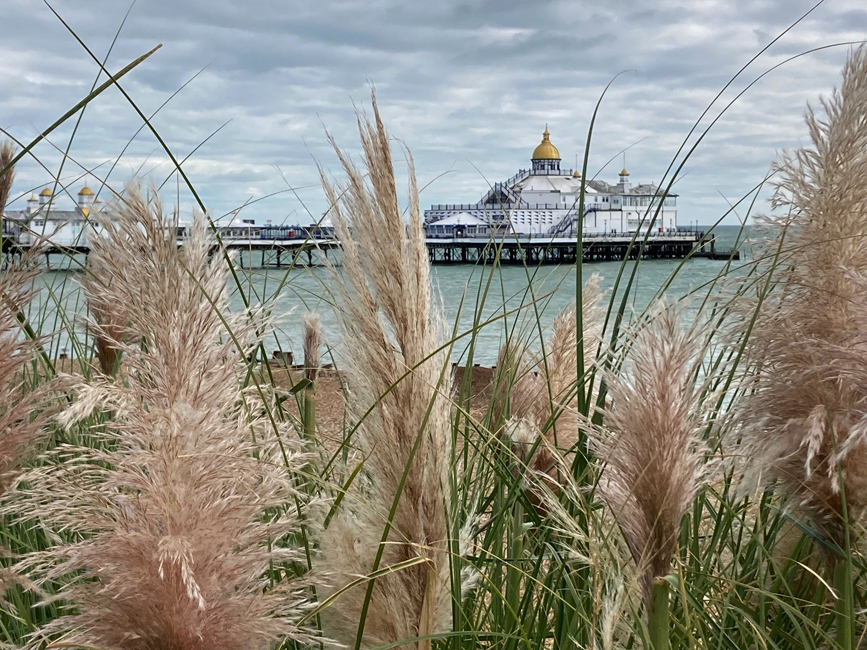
[
  {"x": 32, "y": 198},
  {"x": 545, "y": 150},
  {"x": 623, "y": 172},
  {"x": 85, "y": 211},
  {"x": 46, "y": 192},
  {"x": 576, "y": 174},
  {"x": 85, "y": 191}
]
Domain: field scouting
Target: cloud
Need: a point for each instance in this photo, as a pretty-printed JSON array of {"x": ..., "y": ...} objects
[{"x": 467, "y": 86}]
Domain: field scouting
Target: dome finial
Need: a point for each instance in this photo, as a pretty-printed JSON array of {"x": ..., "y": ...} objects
[{"x": 545, "y": 149}]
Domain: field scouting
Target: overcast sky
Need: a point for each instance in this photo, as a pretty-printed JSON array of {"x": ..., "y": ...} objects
[{"x": 468, "y": 86}]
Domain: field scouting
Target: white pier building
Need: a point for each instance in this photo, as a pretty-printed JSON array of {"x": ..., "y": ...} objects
[
  {"x": 43, "y": 221},
  {"x": 543, "y": 201}
]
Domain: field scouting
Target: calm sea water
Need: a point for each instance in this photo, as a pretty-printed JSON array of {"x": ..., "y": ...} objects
[{"x": 494, "y": 302}]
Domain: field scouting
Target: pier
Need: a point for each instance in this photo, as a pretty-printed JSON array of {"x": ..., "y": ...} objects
[
  {"x": 544, "y": 249},
  {"x": 261, "y": 253},
  {"x": 505, "y": 249}
]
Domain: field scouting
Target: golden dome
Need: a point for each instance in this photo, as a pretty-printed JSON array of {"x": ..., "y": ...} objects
[
  {"x": 623, "y": 172},
  {"x": 85, "y": 211},
  {"x": 32, "y": 198},
  {"x": 576, "y": 174},
  {"x": 85, "y": 191},
  {"x": 46, "y": 192},
  {"x": 545, "y": 150}
]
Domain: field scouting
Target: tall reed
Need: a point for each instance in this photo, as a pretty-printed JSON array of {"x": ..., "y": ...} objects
[
  {"x": 651, "y": 448},
  {"x": 20, "y": 397},
  {"x": 165, "y": 526},
  {"x": 395, "y": 518},
  {"x": 312, "y": 327},
  {"x": 544, "y": 393},
  {"x": 7, "y": 176},
  {"x": 804, "y": 415}
]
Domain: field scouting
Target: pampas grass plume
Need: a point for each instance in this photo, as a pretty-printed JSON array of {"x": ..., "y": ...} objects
[
  {"x": 20, "y": 402},
  {"x": 544, "y": 392},
  {"x": 392, "y": 329},
  {"x": 7, "y": 153},
  {"x": 19, "y": 426},
  {"x": 804, "y": 416},
  {"x": 312, "y": 335},
  {"x": 649, "y": 440},
  {"x": 164, "y": 530}
]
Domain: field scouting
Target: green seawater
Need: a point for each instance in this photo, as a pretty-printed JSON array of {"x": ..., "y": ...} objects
[{"x": 494, "y": 302}]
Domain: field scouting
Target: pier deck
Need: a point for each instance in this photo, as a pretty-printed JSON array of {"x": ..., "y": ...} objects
[
  {"x": 564, "y": 250},
  {"x": 539, "y": 249}
]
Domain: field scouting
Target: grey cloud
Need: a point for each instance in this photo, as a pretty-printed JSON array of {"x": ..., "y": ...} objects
[{"x": 465, "y": 84}]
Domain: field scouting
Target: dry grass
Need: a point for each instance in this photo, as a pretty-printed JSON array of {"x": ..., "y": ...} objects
[
  {"x": 173, "y": 516},
  {"x": 545, "y": 390},
  {"x": 7, "y": 153},
  {"x": 391, "y": 330},
  {"x": 806, "y": 413},
  {"x": 109, "y": 317},
  {"x": 20, "y": 428},
  {"x": 650, "y": 439},
  {"x": 19, "y": 402},
  {"x": 312, "y": 327}
]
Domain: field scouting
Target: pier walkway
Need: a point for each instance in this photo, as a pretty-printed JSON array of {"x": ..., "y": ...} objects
[
  {"x": 545, "y": 249},
  {"x": 524, "y": 249}
]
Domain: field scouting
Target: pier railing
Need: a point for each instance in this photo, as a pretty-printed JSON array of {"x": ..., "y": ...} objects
[
  {"x": 500, "y": 206},
  {"x": 679, "y": 235}
]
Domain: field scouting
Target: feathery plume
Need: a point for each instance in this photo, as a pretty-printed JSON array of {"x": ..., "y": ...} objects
[
  {"x": 804, "y": 415},
  {"x": 312, "y": 327},
  {"x": 108, "y": 327},
  {"x": 512, "y": 365},
  {"x": 7, "y": 153},
  {"x": 23, "y": 407},
  {"x": 392, "y": 329},
  {"x": 108, "y": 318},
  {"x": 649, "y": 440},
  {"x": 176, "y": 516},
  {"x": 20, "y": 428},
  {"x": 312, "y": 330},
  {"x": 545, "y": 395}
]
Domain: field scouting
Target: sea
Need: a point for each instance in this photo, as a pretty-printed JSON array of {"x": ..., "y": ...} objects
[{"x": 482, "y": 305}]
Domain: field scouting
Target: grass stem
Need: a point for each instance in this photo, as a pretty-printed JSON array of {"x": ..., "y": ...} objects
[
  {"x": 658, "y": 616},
  {"x": 310, "y": 412},
  {"x": 844, "y": 608}
]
